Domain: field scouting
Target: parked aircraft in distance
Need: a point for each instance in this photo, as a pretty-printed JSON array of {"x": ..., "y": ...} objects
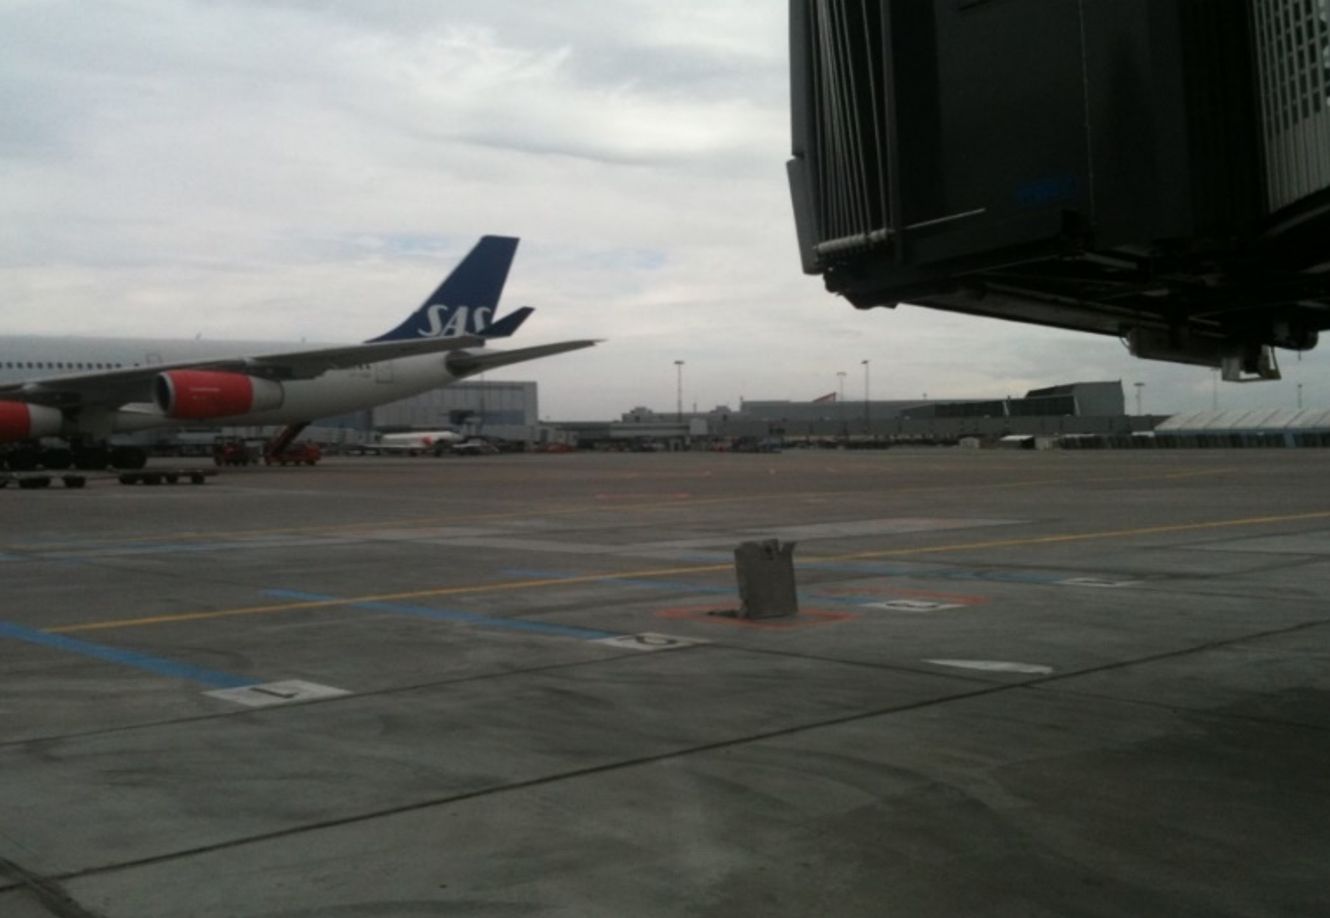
[
  {"x": 415, "y": 442},
  {"x": 83, "y": 390}
]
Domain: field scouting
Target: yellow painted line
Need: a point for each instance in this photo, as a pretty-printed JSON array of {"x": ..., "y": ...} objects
[
  {"x": 590, "y": 506},
  {"x": 515, "y": 585},
  {"x": 1080, "y": 536},
  {"x": 501, "y": 586}
]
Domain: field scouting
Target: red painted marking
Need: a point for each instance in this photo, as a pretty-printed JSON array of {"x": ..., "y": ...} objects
[
  {"x": 807, "y": 618},
  {"x": 901, "y": 592}
]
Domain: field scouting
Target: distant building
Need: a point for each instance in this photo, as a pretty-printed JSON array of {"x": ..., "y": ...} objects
[
  {"x": 1084, "y": 408},
  {"x": 472, "y": 405},
  {"x": 1090, "y": 407},
  {"x": 1247, "y": 427},
  {"x": 1075, "y": 400},
  {"x": 505, "y": 410}
]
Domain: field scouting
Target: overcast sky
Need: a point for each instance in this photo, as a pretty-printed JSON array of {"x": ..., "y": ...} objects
[{"x": 310, "y": 170}]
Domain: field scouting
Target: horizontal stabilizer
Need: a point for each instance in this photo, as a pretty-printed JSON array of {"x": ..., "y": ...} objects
[
  {"x": 504, "y": 327},
  {"x": 466, "y": 363}
]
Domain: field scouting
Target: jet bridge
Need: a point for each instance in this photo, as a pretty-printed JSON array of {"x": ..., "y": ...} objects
[{"x": 1156, "y": 170}]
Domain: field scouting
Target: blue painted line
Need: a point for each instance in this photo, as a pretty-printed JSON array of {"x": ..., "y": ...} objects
[
  {"x": 158, "y": 665},
  {"x": 452, "y": 615}
]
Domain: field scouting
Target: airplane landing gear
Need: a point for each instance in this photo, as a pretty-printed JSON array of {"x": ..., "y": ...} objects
[
  {"x": 94, "y": 456},
  {"x": 91, "y": 458},
  {"x": 21, "y": 458},
  {"x": 128, "y": 457},
  {"x": 56, "y": 458}
]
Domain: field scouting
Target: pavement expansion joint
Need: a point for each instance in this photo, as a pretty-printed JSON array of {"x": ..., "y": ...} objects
[
  {"x": 45, "y": 890},
  {"x": 543, "y": 780}
]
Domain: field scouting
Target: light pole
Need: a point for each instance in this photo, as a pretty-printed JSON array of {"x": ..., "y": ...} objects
[
  {"x": 1299, "y": 396},
  {"x": 1139, "y": 387},
  {"x": 866, "y": 428},
  {"x": 840, "y": 402},
  {"x": 678, "y": 391}
]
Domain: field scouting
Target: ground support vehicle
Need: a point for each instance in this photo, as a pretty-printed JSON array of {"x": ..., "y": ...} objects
[
  {"x": 28, "y": 481},
  {"x": 232, "y": 451},
  {"x": 152, "y": 476},
  {"x": 33, "y": 480},
  {"x": 295, "y": 454}
]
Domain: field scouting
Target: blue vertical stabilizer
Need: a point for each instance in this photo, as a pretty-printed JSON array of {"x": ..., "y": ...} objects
[{"x": 468, "y": 298}]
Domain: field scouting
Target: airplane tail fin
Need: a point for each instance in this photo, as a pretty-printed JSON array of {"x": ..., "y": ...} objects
[{"x": 465, "y": 303}]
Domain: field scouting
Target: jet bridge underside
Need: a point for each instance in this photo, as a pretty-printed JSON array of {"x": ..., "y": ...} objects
[
  {"x": 1187, "y": 313},
  {"x": 1155, "y": 170}
]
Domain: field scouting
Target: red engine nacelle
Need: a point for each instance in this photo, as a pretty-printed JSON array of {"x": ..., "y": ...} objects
[
  {"x": 195, "y": 395},
  {"x": 21, "y": 421}
]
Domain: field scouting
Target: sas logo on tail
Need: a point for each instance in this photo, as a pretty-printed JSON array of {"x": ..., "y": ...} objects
[{"x": 451, "y": 321}]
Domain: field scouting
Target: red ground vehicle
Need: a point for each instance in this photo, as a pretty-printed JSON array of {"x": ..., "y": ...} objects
[
  {"x": 232, "y": 451},
  {"x": 295, "y": 454}
]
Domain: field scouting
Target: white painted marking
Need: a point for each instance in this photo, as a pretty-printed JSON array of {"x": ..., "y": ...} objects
[
  {"x": 913, "y": 605},
  {"x": 267, "y": 694},
  {"x": 649, "y": 641},
  {"x": 996, "y": 666},
  {"x": 1102, "y": 583}
]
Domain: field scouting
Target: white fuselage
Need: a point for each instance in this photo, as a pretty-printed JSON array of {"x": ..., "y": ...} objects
[
  {"x": 334, "y": 392},
  {"x": 417, "y": 441}
]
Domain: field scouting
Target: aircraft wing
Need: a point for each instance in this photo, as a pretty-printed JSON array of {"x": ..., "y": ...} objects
[
  {"x": 469, "y": 364},
  {"x": 113, "y": 388},
  {"x": 308, "y": 364}
]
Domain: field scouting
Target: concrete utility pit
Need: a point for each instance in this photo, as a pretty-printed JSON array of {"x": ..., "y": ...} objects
[{"x": 765, "y": 571}]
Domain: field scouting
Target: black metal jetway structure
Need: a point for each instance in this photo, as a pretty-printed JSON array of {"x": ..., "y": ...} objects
[{"x": 1157, "y": 170}]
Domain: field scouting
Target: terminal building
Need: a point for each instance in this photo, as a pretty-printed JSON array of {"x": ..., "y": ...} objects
[
  {"x": 505, "y": 410},
  {"x": 1088, "y": 408}
]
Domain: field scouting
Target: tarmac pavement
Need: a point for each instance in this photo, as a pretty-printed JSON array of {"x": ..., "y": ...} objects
[{"x": 1020, "y": 684}]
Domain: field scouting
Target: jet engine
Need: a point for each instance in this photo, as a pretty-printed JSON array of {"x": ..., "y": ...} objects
[
  {"x": 21, "y": 421},
  {"x": 196, "y": 395}
]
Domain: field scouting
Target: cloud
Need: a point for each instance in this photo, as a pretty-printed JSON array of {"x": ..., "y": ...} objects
[{"x": 286, "y": 169}]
